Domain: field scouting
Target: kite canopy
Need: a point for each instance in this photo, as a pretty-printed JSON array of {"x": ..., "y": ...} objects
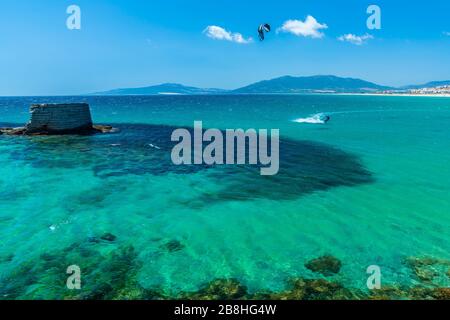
[{"x": 262, "y": 29}]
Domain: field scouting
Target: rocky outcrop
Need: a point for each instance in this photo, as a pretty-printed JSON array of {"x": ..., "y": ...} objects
[
  {"x": 57, "y": 119},
  {"x": 13, "y": 131}
]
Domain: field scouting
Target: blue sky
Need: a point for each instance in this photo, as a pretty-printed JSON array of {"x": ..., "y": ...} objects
[{"x": 138, "y": 43}]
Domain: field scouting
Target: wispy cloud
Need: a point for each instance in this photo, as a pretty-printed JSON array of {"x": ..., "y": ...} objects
[
  {"x": 308, "y": 28},
  {"x": 446, "y": 33},
  {"x": 219, "y": 33},
  {"x": 354, "y": 39}
]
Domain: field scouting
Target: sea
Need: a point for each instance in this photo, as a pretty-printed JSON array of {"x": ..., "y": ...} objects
[{"x": 370, "y": 187}]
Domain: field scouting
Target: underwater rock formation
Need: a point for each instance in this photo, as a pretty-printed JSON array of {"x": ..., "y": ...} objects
[
  {"x": 57, "y": 119},
  {"x": 426, "y": 269},
  {"x": 172, "y": 246},
  {"x": 320, "y": 289},
  {"x": 326, "y": 265},
  {"x": 219, "y": 289},
  {"x": 414, "y": 293},
  {"x": 114, "y": 276},
  {"x": 108, "y": 237}
]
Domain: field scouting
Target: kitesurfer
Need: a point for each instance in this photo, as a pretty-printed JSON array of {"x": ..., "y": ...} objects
[{"x": 262, "y": 29}]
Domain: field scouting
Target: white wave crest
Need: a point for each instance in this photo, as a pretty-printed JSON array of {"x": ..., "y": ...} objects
[{"x": 319, "y": 118}]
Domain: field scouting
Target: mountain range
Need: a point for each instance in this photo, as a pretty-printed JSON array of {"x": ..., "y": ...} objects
[
  {"x": 281, "y": 85},
  {"x": 166, "y": 88},
  {"x": 432, "y": 84}
]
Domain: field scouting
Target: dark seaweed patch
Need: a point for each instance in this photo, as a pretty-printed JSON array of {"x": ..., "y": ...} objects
[
  {"x": 305, "y": 167},
  {"x": 138, "y": 149},
  {"x": 103, "y": 277},
  {"x": 172, "y": 246}
]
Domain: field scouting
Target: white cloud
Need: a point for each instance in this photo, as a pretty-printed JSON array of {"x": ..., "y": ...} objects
[
  {"x": 353, "y": 38},
  {"x": 219, "y": 33},
  {"x": 308, "y": 28}
]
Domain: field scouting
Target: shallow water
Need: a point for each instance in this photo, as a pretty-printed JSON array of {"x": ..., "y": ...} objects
[{"x": 370, "y": 187}]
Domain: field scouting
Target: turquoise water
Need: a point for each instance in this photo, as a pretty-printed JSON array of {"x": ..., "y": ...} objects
[{"x": 370, "y": 187}]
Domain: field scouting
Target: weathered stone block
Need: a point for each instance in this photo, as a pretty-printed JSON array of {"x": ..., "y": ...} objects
[
  {"x": 54, "y": 118},
  {"x": 57, "y": 119}
]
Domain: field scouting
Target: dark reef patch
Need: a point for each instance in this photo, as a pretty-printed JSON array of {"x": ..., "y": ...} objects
[
  {"x": 108, "y": 237},
  {"x": 172, "y": 246},
  {"x": 219, "y": 289},
  {"x": 313, "y": 289},
  {"x": 427, "y": 269},
  {"x": 139, "y": 149},
  {"x": 305, "y": 167},
  {"x": 326, "y": 265},
  {"x": 103, "y": 278}
]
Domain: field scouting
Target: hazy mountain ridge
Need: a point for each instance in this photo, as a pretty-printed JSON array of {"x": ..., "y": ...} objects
[
  {"x": 281, "y": 85},
  {"x": 290, "y": 84},
  {"x": 165, "y": 88},
  {"x": 431, "y": 84}
]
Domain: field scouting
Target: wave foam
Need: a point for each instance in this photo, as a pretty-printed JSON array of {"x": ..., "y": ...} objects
[{"x": 319, "y": 118}]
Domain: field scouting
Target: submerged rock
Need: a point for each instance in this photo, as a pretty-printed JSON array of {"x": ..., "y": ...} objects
[
  {"x": 105, "y": 237},
  {"x": 425, "y": 274},
  {"x": 99, "y": 128},
  {"x": 426, "y": 268},
  {"x": 59, "y": 119},
  {"x": 441, "y": 293},
  {"x": 93, "y": 240},
  {"x": 326, "y": 265},
  {"x": 220, "y": 289},
  {"x": 425, "y": 261},
  {"x": 173, "y": 246},
  {"x": 313, "y": 289},
  {"x": 108, "y": 237},
  {"x": 7, "y": 258},
  {"x": 327, "y": 290}
]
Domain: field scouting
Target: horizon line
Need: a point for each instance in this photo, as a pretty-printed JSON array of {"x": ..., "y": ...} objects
[{"x": 225, "y": 91}]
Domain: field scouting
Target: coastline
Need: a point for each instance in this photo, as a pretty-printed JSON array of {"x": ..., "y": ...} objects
[
  {"x": 395, "y": 95},
  {"x": 238, "y": 94}
]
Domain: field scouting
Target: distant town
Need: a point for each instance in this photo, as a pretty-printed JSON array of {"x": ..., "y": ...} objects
[
  {"x": 438, "y": 91},
  {"x": 434, "y": 90}
]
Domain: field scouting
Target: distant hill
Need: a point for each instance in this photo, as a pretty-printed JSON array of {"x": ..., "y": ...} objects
[
  {"x": 162, "y": 89},
  {"x": 312, "y": 84},
  {"x": 432, "y": 84},
  {"x": 286, "y": 84}
]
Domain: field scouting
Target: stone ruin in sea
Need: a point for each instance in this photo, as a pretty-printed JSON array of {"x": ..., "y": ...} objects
[{"x": 57, "y": 119}]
